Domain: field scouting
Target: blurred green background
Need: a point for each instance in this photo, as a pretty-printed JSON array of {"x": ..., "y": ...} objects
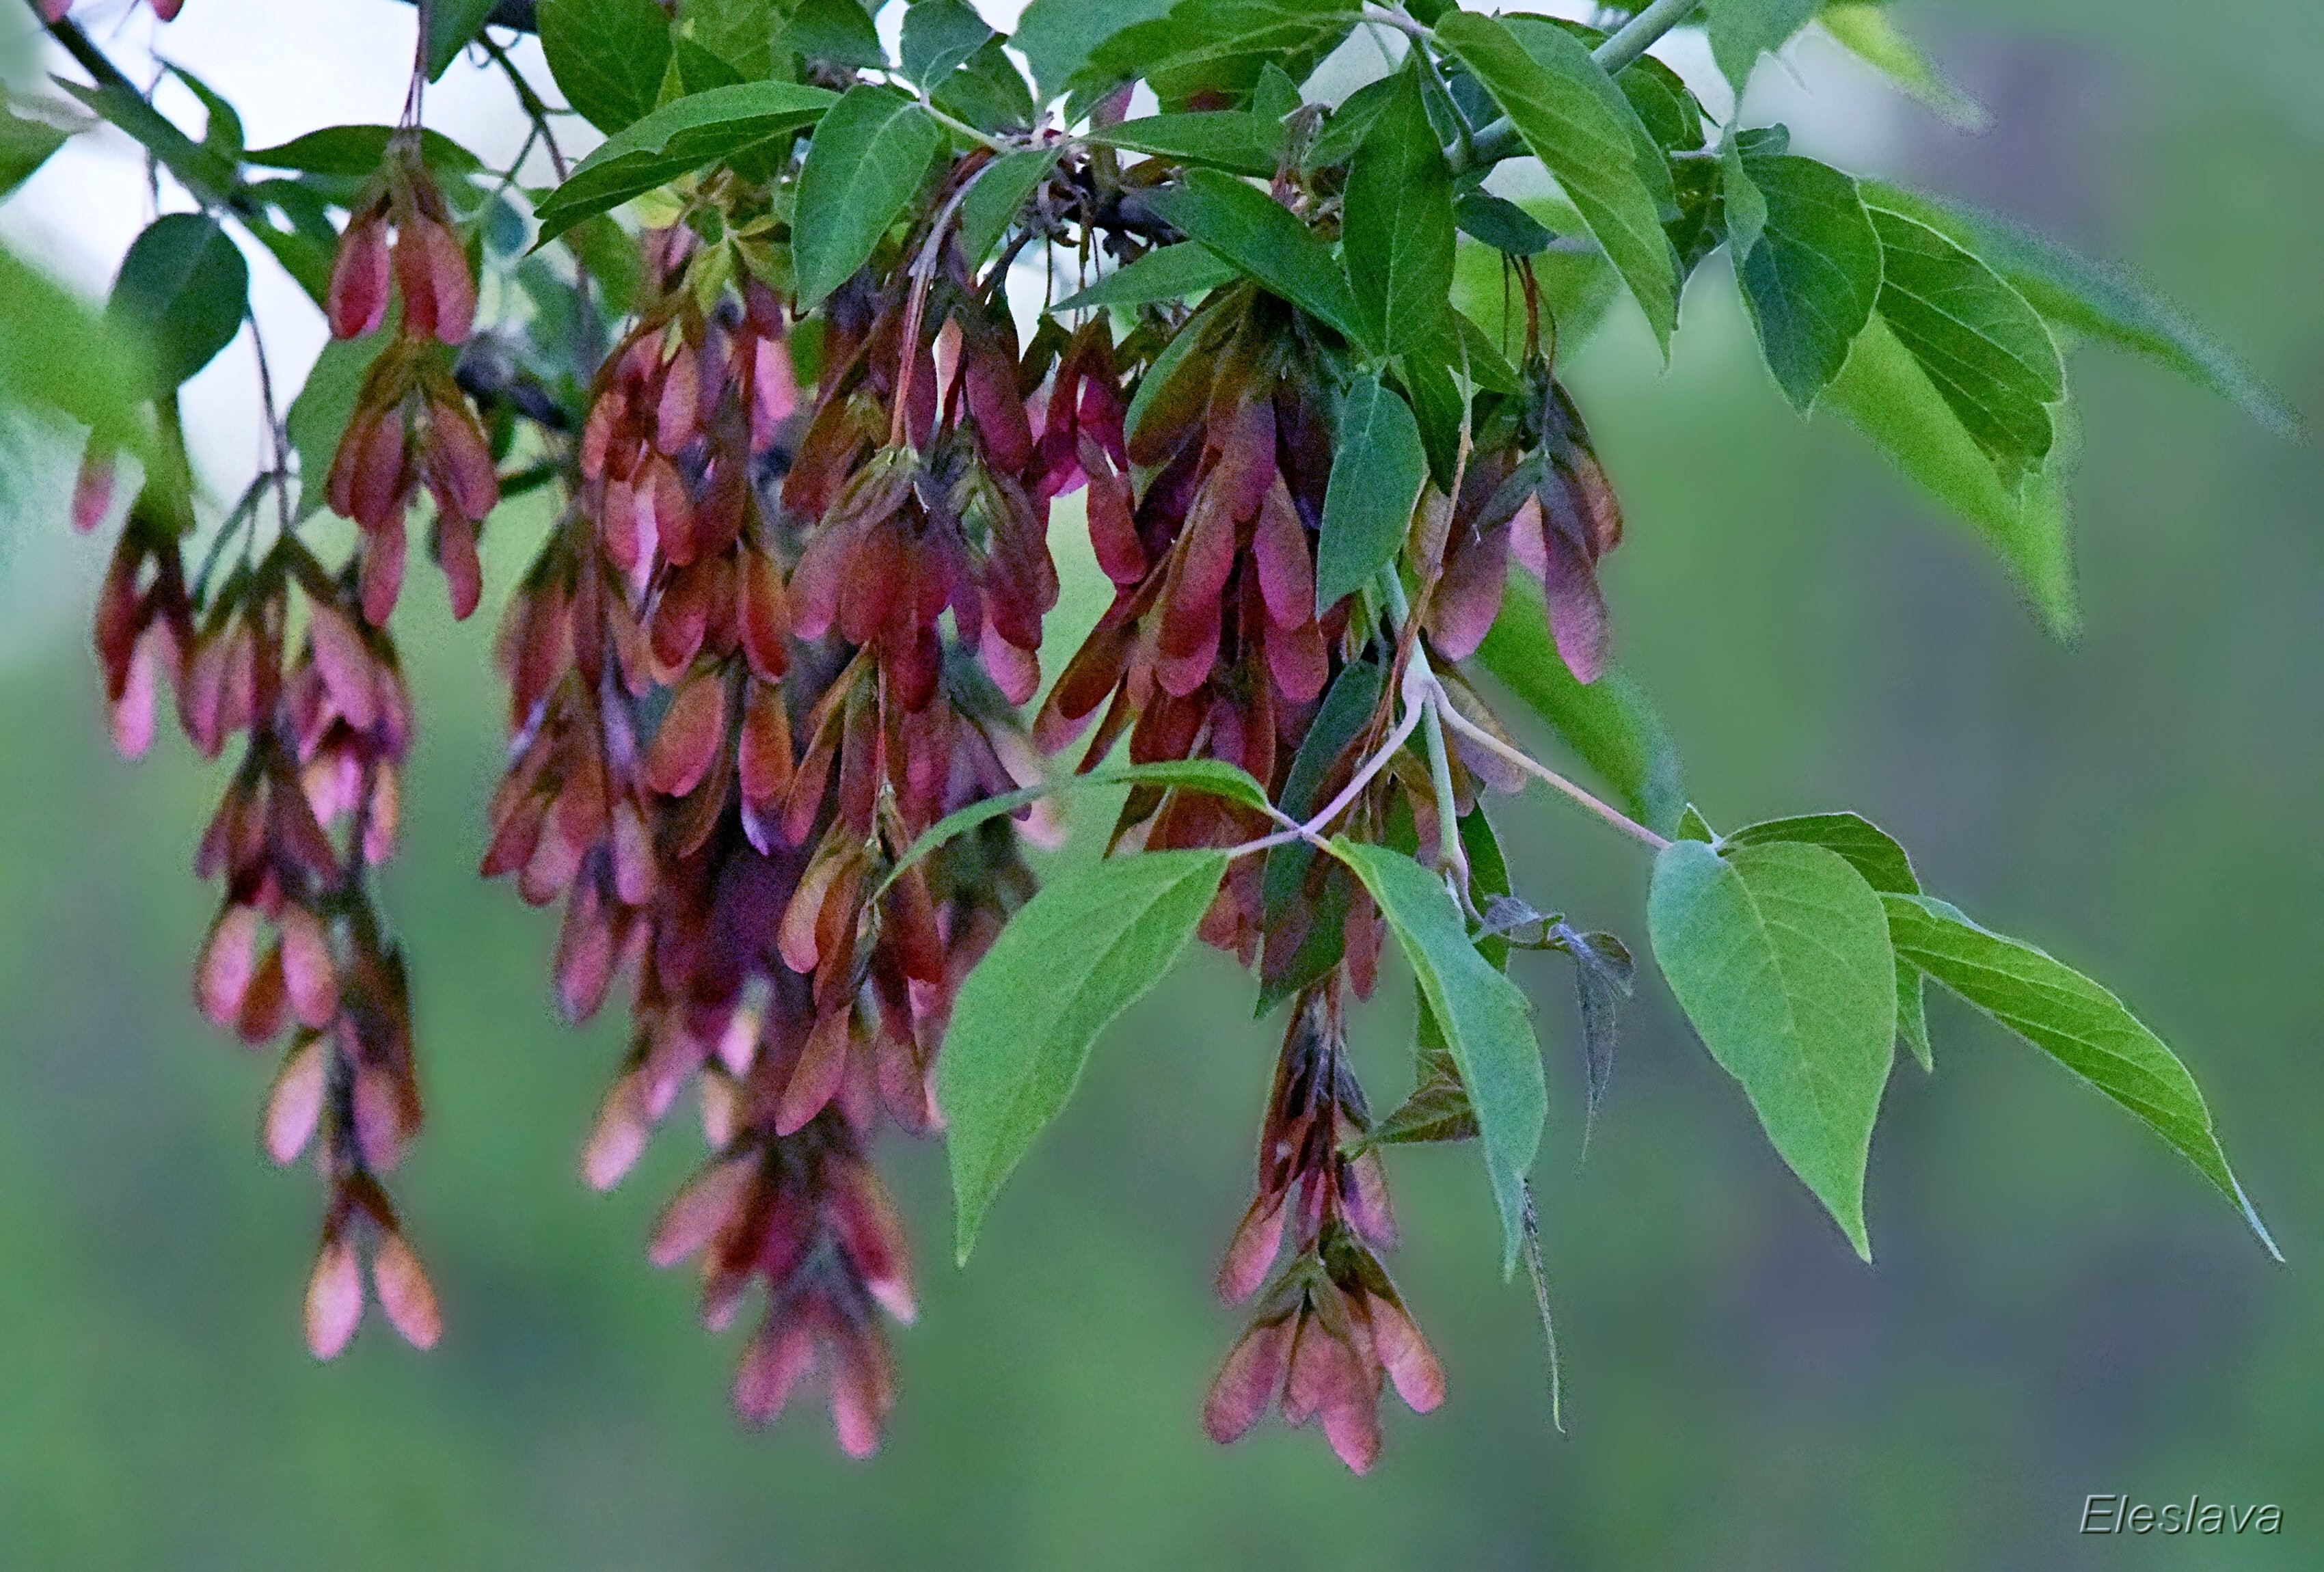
[{"x": 2059, "y": 1307}]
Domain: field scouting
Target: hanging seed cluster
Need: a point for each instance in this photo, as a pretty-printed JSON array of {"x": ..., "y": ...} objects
[{"x": 777, "y": 633}]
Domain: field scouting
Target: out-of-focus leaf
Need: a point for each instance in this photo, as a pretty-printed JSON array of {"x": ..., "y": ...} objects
[
  {"x": 1171, "y": 272},
  {"x": 1886, "y": 395},
  {"x": 1562, "y": 110},
  {"x": 222, "y": 135},
  {"x": 318, "y": 418},
  {"x": 1985, "y": 350},
  {"x": 1079, "y": 953},
  {"x": 1608, "y": 724},
  {"x": 1254, "y": 233},
  {"x": 1397, "y": 228},
  {"x": 2092, "y": 297},
  {"x": 676, "y": 139},
  {"x": 1378, "y": 468},
  {"x": 451, "y": 24},
  {"x": 1484, "y": 1019},
  {"x": 56, "y": 353},
  {"x": 358, "y": 150},
  {"x": 182, "y": 292},
  {"x": 1863, "y": 28},
  {"x": 25, "y": 145},
  {"x": 2074, "y": 1020},
  {"x": 1814, "y": 275},
  {"x": 1779, "y": 956},
  {"x": 1741, "y": 30},
  {"x": 608, "y": 57},
  {"x": 869, "y": 157}
]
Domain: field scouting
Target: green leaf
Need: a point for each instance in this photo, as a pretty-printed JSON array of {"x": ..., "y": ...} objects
[
  {"x": 210, "y": 177},
  {"x": 937, "y": 36},
  {"x": 56, "y": 353},
  {"x": 1058, "y": 35},
  {"x": 2073, "y": 1019},
  {"x": 451, "y": 24},
  {"x": 1984, "y": 349},
  {"x": 1213, "y": 776},
  {"x": 1691, "y": 826},
  {"x": 222, "y": 136},
  {"x": 182, "y": 292},
  {"x": 676, "y": 139},
  {"x": 1862, "y": 27},
  {"x": 1609, "y": 724},
  {"x": 1812, "y": 276},
  {"x": 740, "y": 33},
  {"x": 1275, "y": 98},
  {"x": 2092, "y": 297},
  {"x": 1264, "y": 241},
  {"x": 608, "y": 57},
  {"x": 838, "y": 31},
  {"x": 1000, "y": 194},
  {"x": 1170, "y": 272},
  {"x": 356, "y": 151},
  {"x": 868, "y": 158},
  {"x": 1397, "y": 223},
  {"x": 1078, "y": 954},
  {"x": 1500, "y": 224},
  {"x": 1483, "y": 1017},
  {"x": 1669, "y": 112},
  {"x": 1233, "y": 139},
  {"x": 1886, "y": 394},
  {"x": 25, "y": 144},
  {"x": 1567, "y": 120},
  {"x": 1348, "y": 122},
  {"x": 1378, "y": 468},
  {"x": 1885, "y": 867},
  {"x": 1602, "y": 979},
  {"x": 1741, "y": 30},
  {"x": 1743, "y": 210},
  {"x": 1219, "y": 48},
  {"x": 1779, "y": 956},
  {"x": 990, "y": 93},
  {"x": 318, "y": 418}
]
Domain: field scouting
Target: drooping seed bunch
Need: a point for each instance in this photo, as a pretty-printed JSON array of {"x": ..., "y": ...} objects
[
  {"x": 1214, "y": 648},
  {"x": 274, "y": 645},
  {"x": 411, "y": 424},
  {"x": 736, "y": 711}
]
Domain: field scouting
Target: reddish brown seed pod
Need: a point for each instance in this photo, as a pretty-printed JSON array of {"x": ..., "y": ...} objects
[
  {"x": 691, "y": 734},
  {"x": 404, "y": 1292},
  {"x": 335, "y": 1298},
  {"x": 356, "y": 302}
]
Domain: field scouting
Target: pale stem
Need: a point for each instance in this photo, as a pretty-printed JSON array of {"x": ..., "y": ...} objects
[{"x": 1540, "y": 771}]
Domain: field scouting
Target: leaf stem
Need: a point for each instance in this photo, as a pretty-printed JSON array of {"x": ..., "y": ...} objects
[
  {"x": 1448, "y": 850},
  {"x": 1540, "y": 771}
]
